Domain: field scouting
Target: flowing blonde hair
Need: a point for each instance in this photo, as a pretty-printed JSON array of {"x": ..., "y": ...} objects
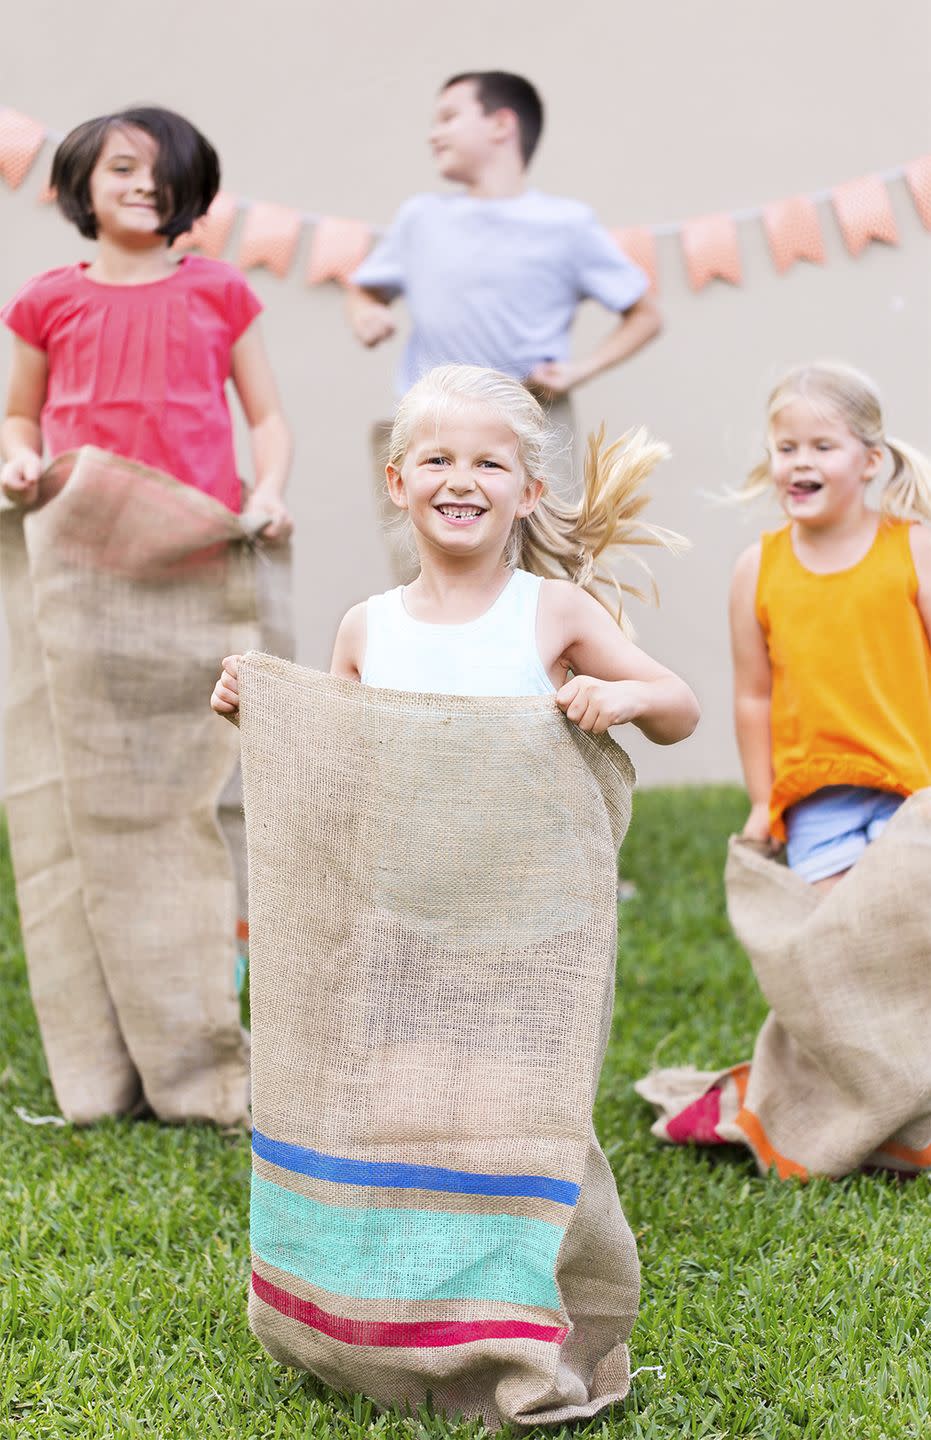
[
  {"x": 560, "y": 540},
  {"x": 906, "y": 493}
]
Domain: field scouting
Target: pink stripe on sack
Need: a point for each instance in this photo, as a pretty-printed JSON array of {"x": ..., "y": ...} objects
[
  {"x": 697, "y": 1122},
  {"x": 427, "y": 1334}
]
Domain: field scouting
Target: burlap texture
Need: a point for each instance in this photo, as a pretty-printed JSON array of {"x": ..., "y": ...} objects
[
  {"x": 841, "y": 1071},
  {"x": 272, "y": 572},
  {"x": 123, "y": 588},
  {"x": 433, "y": 905}
]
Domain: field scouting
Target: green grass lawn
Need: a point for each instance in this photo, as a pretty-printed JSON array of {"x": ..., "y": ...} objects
[{"x": 776, "y": 1310}]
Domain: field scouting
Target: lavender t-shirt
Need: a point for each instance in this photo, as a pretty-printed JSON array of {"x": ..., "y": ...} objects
[{"x": 496, "y": 282}]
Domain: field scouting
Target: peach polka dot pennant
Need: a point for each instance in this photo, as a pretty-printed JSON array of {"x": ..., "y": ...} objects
[
  {"x": 711, "y": 250},
  {"x": 337, "y": 247},
  {"x": 918, "y": 179},
  {"x": 210, "y": 234},
  {"x": 864, "y": 213},
  {"x": 793, "y": 231},
  {"x": 638, "y": 243},
  {"x": 269, "y": 237},
  {"x": 20, "y": 142}
]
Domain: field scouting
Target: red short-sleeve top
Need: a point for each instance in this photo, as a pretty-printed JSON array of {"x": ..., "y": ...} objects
[{"x": 141, "y": 370}]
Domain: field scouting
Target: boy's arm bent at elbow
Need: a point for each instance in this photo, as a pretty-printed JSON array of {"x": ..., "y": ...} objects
[
  {"x": 752, "y": 693},
  {"x": 634, "y": 329}
]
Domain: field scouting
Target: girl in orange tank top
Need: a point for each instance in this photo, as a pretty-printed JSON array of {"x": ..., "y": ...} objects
[{"x": 831, "y": 627}]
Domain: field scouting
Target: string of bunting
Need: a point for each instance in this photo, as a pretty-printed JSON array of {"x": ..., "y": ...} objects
[{"x": 710, "y": 244}]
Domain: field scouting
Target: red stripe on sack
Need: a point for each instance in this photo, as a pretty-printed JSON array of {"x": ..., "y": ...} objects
[
  {"x": 242, "y": 929},
  {"x": 427, "y": 1334},
  {"x": 698, "y": 1122}
]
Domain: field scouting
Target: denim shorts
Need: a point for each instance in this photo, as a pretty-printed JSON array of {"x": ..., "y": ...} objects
[{"x": 829, "y": 830}]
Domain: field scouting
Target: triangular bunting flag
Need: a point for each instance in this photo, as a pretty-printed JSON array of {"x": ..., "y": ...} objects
[
  {"x": 793, "y": 231},
  {"x": 269, "y": 237},
  {"x": 864, "y": 213},
  {"x": 20, "y": 142},
  {"x": 210, "y": 234},
  {"x": 709, "y": 244},
  {"x": 337, "y": 247},
  {"x": 918, "y": 176}
]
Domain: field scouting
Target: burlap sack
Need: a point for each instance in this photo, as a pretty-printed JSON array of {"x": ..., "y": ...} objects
[
  {"x": 841, "y": 1071},
  {"x": 433, "y": 899},
  {"x": 272, "y": 572},
  {"x": 123, "y": 588}
]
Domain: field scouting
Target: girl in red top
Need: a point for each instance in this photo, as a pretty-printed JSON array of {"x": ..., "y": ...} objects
[{"x": 132, "y": 351}]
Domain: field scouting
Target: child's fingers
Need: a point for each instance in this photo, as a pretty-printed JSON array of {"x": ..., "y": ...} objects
[
  {"x": 19, "y": 488},
  {"x": 230, "y": 666},
  {"x": 567, "y": 693}
]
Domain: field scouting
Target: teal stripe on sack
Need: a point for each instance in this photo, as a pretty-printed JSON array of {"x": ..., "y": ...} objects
[{"x": 382, "y": 1254}]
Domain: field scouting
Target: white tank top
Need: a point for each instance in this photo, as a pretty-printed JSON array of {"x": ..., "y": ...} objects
[{"x": 493, "y": 655}]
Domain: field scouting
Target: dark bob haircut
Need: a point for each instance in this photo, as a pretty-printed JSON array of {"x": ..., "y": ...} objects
[
  {"x": 187, "y": 169},
  {"x": 500, "y": 90}
]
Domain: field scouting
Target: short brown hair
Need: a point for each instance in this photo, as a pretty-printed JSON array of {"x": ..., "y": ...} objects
[
  {"x": 500, "y": 90},
  {"x": 187, "y": 168}
]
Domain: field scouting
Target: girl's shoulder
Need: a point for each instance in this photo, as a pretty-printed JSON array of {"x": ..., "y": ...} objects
[
  {"x": 221, "y": 290},
  {"x": 47, "y": 285},
  {"x": 32, "y": 310}
]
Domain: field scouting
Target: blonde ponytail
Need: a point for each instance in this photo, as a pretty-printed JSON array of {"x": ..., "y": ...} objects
[
  {"x": 907, "y": 492},
  {"x": 583, "y": 542}
]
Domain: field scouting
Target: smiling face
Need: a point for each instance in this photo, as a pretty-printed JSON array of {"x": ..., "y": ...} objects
[
  {"x": 818, "y": 466},
  {"x": 123, "y": 189},
  {"x": 462, "y": 481},
  {"x": 462, "y": 136}
]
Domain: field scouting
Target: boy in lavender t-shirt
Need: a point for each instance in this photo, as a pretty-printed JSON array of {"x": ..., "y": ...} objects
[{"x": 493, "y": 275}]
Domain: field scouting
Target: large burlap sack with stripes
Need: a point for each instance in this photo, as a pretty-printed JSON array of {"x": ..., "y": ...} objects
[
  {"x": 123, "y": 588},
  {"x": 841, "y": 1072},
  {"x": 433, "y": 903}
]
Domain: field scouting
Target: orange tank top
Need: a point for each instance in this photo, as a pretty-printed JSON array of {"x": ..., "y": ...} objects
[{"x": 851, "y": 671}]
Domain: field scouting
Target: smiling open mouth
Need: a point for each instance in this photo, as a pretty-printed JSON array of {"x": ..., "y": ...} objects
[
  {"x": 804, "y": 487},
  {"x": 460, "y": 512}
]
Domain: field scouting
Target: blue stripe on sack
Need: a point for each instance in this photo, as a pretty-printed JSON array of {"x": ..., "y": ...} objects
[{"x": 394, "y": 1175}]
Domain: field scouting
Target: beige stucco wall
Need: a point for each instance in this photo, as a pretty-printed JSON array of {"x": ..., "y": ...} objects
[{"x": 655, "y": 112}]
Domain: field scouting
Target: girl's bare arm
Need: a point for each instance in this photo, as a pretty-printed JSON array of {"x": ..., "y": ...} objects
[
  {"x": 613, "y": 681},
  {"x": 20, "y": 435},
  {"x": 752, "y": 693},
  {"x": 270, "y": 436},
  {"x": 349, "y": 646}
]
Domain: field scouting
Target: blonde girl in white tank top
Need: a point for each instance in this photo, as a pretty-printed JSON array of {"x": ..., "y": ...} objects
[{"x": 516, "y": 593}]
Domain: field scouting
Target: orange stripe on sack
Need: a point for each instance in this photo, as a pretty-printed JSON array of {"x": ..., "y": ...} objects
[
  {"x": 242, "y": 929},
  {"x": 902, "y": 1152},
  {"x": 759, "y": 1140},
  {"x": 740, "y": 1075},
  {"x": 752, "y": 1128}
]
